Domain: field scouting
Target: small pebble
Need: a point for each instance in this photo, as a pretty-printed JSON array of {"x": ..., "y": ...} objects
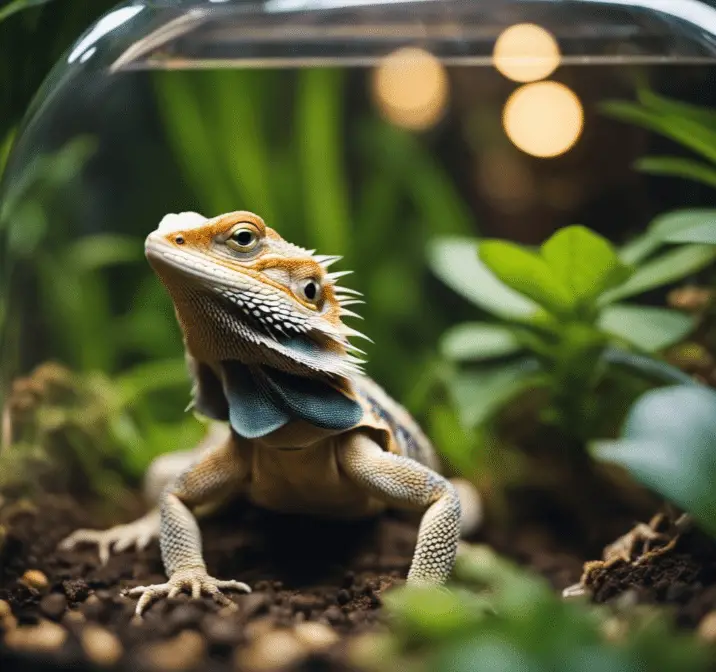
[
  {"x": 53, "y": 605},
  {"x": 343, "y": 597},
  {"x": 316, "y": 636},
  {"x": 186, "y": 616},
  {"x": 73, "y": 618},
  {"x": 222, "y": 631},
  {"x": 707, "y": 627},
  {"x": 183, "y": 652},
  {"x": 5, "y": 609},
  {"x": 46, "y": 636},
  {"x": 334, "y": 615},
  {"x": 35, "y": 579},
  {"x": 254, "y": 604},
  {"x": 93, "y": 608},
  {"x": 272, "y": 651},
  {"x": 101, "y": 646},
  {"x": 303, "y": 603},
  {"x": 258, "y": 627}
]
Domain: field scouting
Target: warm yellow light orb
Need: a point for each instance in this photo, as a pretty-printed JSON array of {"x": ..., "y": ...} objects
[
  {"x": 544, "y": 119},
  {"x": 526, "y": 52},
  {"x": 410, "y": 88}
]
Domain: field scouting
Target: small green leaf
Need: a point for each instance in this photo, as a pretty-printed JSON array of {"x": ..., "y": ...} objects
[
  {"x": 454, "y": 260},
  {"x": 478, "y": 395},
  {"x": 526, "y": 272},
  {"x": 584, "y": 261},
  {"x": 669, "y": 445},
  {"x": 475, "y": 341},
  {"x": 435, "y": 613},
  {"x": 664, "y": 269},
  {"x": 651, "y": 329},
  {"x": 677, "y": 167}
]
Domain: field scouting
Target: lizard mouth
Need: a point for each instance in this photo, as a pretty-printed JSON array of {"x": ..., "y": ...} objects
[{"x": 163, "y": 256}]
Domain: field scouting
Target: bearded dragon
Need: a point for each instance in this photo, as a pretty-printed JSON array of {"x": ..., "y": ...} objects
[{"x": 303, "y": 430}]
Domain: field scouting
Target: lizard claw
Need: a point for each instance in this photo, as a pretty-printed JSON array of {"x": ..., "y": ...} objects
[
  {"x": 195, "y": 581},
  {"x": 118, "y": 539}
]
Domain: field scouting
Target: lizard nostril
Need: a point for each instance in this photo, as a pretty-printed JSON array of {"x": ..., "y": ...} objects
[{"x": 179, "y": 240}]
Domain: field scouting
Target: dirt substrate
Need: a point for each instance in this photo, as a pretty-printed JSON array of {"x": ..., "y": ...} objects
[{"x": 316, "y": 585}]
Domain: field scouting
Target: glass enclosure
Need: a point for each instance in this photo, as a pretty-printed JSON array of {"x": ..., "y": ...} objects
[{"x": 399, "y": 135}]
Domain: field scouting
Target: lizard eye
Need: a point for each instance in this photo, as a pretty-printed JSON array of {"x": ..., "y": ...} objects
[
  {"x": 310, "y": 290},
  {"x": 243, "y": 238}
]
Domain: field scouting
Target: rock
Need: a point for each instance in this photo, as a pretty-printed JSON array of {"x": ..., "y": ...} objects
[
  {"x": 272, "y": 651},
  {"x": 93, "y": 608},
  {"x": 53, "y": 605},
  {"x": 7, "y": 618},
  {"x": 303, "y": 603},
  {"x": 35, "y": 580},
  {"x": 315, "y": 636},
  {"x": 186, "y": 616},
  {"x": 73, "y": 618},
  {"x": 707, "y": 628},
  {"x": 46, "y": 637},
  {"x": 221, "y": 631},
  {"x": 254, "y": 604},
  {"x": 101, "y": 646},
  {"x": 343, "y": 596},
  {"x": 183, "y": 652}
]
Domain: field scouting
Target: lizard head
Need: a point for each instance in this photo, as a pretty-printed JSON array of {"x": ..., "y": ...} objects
[{"x": 242, "y": 292}]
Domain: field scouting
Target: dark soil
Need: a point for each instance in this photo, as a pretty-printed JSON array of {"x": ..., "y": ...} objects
[{"x": 301, "y": 570}]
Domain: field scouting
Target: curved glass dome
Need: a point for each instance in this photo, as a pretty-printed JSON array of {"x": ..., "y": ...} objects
[
  {"x": 366, "y": 129},
  {"x": 399, "y": 135}
]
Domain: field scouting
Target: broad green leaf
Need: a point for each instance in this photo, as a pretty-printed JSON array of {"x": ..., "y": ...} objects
[
  {"x": 677, "y": 167},
  {"x": 651, "y": 329},
  {"x": 527, "y": 273},
  {"x": 688, "y": 132},
  {"x": 666, "y": 268},
  {"x": 704, "y": 116},
  {"x": 669, "y": 445},
  {"x": 319, "y": 118},
  {"x": 455, "y": 261},
  {"x": 475, "y": 341},
  {"x": 666, "y": 228},
  {"x": 584, "y": 261},
  {"x": 478, "y": 395}
]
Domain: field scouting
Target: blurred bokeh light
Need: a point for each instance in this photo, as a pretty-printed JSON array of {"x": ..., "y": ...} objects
[
  {"x": 544, "y": 119},
  {"x": 526, "y": 52},
  {"x": 410, "y": 88}
]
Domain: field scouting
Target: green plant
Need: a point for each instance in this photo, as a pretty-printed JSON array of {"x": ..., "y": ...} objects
[
  {"x": 497, "y": 616},
  {"x": 559, "y": 323},
  {"x": 691, "y": 126},
  {"x": 669, "y": 444}
]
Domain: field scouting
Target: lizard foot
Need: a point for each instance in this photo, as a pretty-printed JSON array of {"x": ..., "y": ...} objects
[
  {"x": 194, "y": 580},
  {"x": 137, "y": 534}
]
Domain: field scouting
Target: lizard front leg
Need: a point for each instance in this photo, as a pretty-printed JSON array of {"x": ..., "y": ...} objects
[
  {"x": 404, "y": 482},
  {"x": 217, "y": 473},
  {"x": 139, "y": 533}
]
